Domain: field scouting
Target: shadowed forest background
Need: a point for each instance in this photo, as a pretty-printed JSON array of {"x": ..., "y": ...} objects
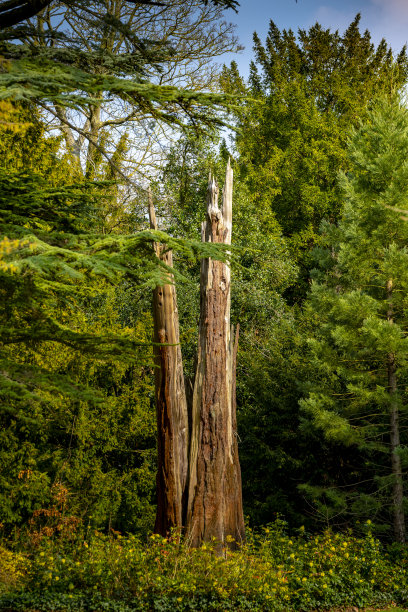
[{"x": 98, "y": 105}]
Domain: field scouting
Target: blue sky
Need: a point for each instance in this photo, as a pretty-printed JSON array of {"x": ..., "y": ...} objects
[{"x": 383, "y": 18}]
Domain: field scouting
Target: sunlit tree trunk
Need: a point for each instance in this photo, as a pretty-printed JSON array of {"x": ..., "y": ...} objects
[
  {"x": 215, "y": 497},
  {"x": 171, "y": 405},
  {"x": 199, "y": 490}
]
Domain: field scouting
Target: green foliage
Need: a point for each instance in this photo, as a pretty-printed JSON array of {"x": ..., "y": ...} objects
[
  {"x": 264, "y": 268},
  {"x": 76, "y": 357},
  {"x": 13, "y": 567},
  {"x": 56, "y": 252},
  {"x": 359, "y": 306},
  {"x": 102, "y": 452},
  {"x": 54, "y": 66},
  {"x": 309, "y": 90},
  {"x": 75, "y": 389},
  {"x": 47, "y": 79},
  {"x": 317, "y": 467},
  {"x": 272, "y": 572},
  {"x": 77, "y": 441}
]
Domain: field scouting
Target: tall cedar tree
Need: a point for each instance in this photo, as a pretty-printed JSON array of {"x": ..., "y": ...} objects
[
  {"x": 359, "y": 305},
  {"x": 71, "y": 76},
  {"x": 197, "y": 35}
]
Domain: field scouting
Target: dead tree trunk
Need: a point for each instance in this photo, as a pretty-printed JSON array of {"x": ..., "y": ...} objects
[
  {"x": 398, "y": 490},
  {"x": 171, "y": 405},
  {"x": 214, "y": 507}
]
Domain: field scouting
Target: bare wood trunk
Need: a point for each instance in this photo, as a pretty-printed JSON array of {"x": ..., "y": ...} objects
[
  {"x": 398, "y": 490},
  {"x": 215, "y": 494},
  {"x": 171, "y": 405}
]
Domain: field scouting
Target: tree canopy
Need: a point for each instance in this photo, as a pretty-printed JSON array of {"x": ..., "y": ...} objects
[
  {"x": 14, "y": 12},
  {"x": 310, "y": 89}
]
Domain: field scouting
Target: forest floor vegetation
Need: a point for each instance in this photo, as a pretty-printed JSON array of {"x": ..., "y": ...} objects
[{"x": 271, "y": 572}]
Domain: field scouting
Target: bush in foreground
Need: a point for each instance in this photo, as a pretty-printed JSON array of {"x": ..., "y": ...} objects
[{"x": 272, "y": 572}]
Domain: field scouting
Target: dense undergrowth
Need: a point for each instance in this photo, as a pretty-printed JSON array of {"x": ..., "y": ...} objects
[{"x": 272, "y": 571}]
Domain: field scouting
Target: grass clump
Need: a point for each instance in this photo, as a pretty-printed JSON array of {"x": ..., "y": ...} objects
[{"x": 272, "y": 572}]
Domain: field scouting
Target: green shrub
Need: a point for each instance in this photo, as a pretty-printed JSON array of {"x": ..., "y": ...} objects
[
  {"x": 272, "y": 572},
  {"x": 13, "y": 569}
]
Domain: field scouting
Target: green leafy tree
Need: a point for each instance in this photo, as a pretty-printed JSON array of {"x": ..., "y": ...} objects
[
  {"x": 359, "y": 306},
  {"x": 309, "y": 90},
  {"x": 291, "y": 144},
  {"x": 57, "y": 381},
  {"x": 75, "y": 352},
  {"x": 100, "y": 448}
]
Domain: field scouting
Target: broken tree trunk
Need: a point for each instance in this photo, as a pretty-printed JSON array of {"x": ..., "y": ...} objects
[
  {"x": 171, "y": 405},
  {"x": 215, "y": 496}
]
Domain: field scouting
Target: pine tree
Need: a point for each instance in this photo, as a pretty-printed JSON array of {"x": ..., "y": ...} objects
[{"x": 359, "y": 305}]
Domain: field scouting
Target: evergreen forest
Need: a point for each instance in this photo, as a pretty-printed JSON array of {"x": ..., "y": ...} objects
[{"x": 200, "y": 411}]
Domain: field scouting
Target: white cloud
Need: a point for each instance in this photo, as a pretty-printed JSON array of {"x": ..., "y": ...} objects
[
  {"x": 333, "y": 18},
  {"x": 390, "y": 20}
]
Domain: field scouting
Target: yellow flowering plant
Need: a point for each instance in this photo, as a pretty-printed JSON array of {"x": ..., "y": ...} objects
[{"x": 271, "y": 572}]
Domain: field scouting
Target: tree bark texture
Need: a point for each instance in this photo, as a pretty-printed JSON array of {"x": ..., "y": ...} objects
[
  {"x": 171, "y": 405},
  {"x": 398, "y": 490},
  {"x": 214, "y": 507}
]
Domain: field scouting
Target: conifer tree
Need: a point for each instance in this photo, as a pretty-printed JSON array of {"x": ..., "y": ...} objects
[
  {"x": 188, "y": 37},
  {"x": 310, "y": 88},
  {"x": 359, "y": 305},
  {"x": 58, "y": 69},
  {"x": 51, "y": 248}
]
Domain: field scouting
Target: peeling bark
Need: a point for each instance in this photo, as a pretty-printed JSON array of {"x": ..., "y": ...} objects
[
  {"x": 199, "y": 489},
  {"x": 215, "y": 495},
  {"x": 171, "y": 405}
]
